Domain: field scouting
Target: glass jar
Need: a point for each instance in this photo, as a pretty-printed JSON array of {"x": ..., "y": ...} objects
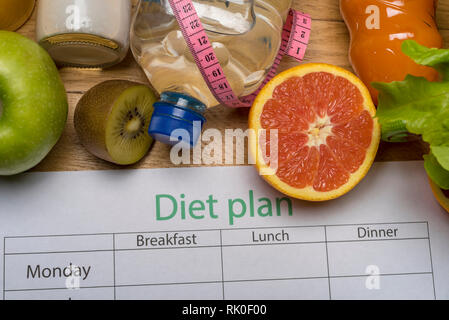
[
  {"x": 84, "y": 33},
  {"x": 13, "y": 13}
]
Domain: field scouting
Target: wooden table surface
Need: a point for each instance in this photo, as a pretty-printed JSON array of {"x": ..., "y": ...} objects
[{"x": 329, "y": 43}]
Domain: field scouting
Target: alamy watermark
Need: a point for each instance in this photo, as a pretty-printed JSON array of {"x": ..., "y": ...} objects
[
  {"x": 73, "y": 280},
  {"x": 232, "y": 148},
  {"x": 373, "y": 280}
]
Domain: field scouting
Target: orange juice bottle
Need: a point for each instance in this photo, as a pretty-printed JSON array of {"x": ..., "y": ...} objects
[
  {"x": 378, "y": 28},
  {"x": 14, "y": 13}
]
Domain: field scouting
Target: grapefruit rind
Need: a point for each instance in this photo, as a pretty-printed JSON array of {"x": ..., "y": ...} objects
[
  {"x": 439, "y": 195},
  {"x": 309, "y": 193}
]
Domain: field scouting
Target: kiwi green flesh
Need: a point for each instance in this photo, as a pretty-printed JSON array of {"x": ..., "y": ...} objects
[{"x": 127, "y": 139}]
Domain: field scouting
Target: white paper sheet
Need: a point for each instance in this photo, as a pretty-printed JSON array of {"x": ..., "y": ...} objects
[{"x": 96, "y": 235}]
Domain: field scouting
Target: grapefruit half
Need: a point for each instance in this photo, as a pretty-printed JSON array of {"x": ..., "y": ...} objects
[{"x": 327, "y": 133}]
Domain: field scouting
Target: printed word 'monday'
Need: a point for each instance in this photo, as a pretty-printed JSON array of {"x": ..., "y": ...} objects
[{"x": 58, "y": 272}]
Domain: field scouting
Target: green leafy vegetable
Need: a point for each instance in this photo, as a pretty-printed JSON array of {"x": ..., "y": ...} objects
[
  {"x": 442, "y": 154},
  {"x": 420, "y": 107},
  {"x": 436, "y": 172}
]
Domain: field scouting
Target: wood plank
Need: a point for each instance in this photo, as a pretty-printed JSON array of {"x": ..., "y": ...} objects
[
  {"x": 329, "y": 43},
  {"x": 70, "y": 155}
]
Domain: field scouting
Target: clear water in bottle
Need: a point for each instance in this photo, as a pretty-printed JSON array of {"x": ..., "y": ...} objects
[
  {"x": 246, "y": 36},
  {"x": 246, "y": 44}
]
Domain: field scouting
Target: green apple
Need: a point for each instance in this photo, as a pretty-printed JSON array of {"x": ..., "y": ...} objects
[{"x": 33, "y": 103}]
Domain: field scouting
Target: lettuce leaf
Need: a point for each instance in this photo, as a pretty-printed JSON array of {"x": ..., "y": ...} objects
[
  {"x": 442, "y": 154},
  {"x": 421, "y": 107},
  {"x": 436, "y": 172}
]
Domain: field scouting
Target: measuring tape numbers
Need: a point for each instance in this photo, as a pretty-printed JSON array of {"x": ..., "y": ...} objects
[{"x": 295, "y": 38}]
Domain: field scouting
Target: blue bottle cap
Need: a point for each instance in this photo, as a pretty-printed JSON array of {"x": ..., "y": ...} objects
[{"x": 177, "y": 119}]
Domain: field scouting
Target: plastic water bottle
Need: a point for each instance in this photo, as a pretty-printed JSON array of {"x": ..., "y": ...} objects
[{"x": 245, "y": 35}]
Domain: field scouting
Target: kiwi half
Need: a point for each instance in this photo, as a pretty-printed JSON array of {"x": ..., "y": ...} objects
[{"x": 112, "y": 120}]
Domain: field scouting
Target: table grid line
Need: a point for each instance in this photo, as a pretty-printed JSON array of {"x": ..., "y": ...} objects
[
  {"x": 327, "y": 260},
  {"x": 214, "y": 229},
  {"x": 222, "y": 267},
  {"x": 223, "y": 281},
  {"x": 113, "y": 258},
  {"x": 219, "y": 281},
  {"x": 4, "y": 269},
  {"x": 431, "y": 262},
  {"x": 211, "y": 246}
]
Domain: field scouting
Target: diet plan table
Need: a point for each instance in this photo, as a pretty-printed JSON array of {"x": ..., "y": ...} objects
[{"x": 219, "y": 233}]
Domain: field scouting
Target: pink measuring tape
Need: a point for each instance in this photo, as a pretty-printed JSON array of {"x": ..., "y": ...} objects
[{"x": 295, "y": 38}]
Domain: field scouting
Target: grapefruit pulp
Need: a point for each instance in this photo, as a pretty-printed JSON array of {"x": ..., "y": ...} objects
[{"x": 327, "y": 132}]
